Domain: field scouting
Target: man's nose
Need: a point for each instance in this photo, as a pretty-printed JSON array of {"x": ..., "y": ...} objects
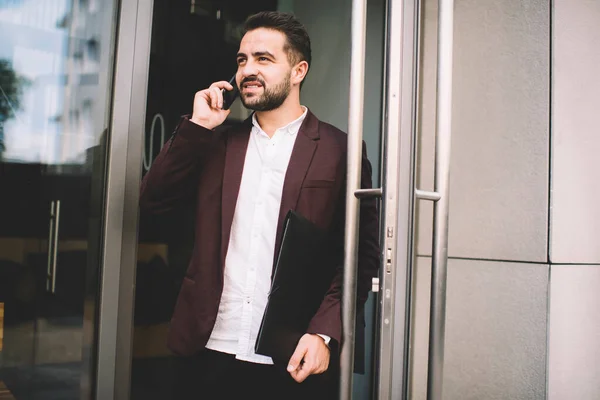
[{"x": 248, "y": 69}]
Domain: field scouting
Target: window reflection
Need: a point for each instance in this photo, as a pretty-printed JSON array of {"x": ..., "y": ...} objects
[
  {"x": 51, "y": 64},
  {"x": 55, "y": 86}
]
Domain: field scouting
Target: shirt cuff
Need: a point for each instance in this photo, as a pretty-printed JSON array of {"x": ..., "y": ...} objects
[{"x": 326, "y": 338}]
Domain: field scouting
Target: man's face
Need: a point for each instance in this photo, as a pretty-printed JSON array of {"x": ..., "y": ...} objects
[{"x": 263, "y": 75}]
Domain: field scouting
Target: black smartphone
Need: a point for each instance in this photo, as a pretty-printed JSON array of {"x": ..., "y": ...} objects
[{"x": 229, "y": 96}]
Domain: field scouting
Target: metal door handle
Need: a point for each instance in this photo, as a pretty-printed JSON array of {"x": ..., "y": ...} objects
[
  {"x": 440, "y": 197},
  {"x": 53, "y": 245},
  {"x": 353, "y": 192},
  {"x": 366, "y": 193},
  {"x": 424, "y": 195}
]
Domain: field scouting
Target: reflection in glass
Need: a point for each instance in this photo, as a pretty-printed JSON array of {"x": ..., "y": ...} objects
[{"x": 55, "y": 73}]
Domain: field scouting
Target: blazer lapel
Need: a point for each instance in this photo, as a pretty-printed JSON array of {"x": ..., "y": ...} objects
[
  {"x": 302, "y": 155},
  {"x": 235, "y": 155}
]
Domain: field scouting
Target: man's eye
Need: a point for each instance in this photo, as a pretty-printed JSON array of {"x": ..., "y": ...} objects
[
  {"x": 240, "y": 60},
  {"x": 263, "y": 59}
]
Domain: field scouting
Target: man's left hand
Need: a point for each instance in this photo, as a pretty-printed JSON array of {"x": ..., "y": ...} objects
[{"x": 311, "y": 357}]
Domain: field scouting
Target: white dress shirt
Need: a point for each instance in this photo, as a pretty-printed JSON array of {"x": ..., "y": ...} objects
[{"x": 249, "y": 260}]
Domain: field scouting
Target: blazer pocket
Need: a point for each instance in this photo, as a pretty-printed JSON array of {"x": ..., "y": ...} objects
[{"x": 318, "y": 183}]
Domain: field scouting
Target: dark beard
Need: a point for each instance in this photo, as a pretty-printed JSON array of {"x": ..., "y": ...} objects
[{"x": 271, "y": 99}]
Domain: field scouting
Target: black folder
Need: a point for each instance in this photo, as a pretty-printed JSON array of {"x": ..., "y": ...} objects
[{"x": 301, "y": 279}]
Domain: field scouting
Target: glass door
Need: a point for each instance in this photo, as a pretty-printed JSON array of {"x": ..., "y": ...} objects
[
  {"x": 192, "y": 45},
  {"x": 55, "y": 96}
]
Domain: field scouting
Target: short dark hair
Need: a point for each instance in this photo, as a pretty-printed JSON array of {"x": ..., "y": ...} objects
[{"x": 297, "y": 44}]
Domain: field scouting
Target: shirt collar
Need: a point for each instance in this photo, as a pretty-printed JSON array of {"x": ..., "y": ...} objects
[{"x": 291, "y": 129}]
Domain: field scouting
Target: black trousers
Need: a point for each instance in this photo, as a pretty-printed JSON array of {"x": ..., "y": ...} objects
[{"x": 214, "y": 375}]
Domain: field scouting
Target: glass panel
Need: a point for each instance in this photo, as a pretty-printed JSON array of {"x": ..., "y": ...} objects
[
  {"x": 55, "y": 74},
  {"x": 178, "y": 68}
]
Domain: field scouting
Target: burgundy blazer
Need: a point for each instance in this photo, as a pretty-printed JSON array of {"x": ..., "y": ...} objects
[{"x": 206, "y": 166}]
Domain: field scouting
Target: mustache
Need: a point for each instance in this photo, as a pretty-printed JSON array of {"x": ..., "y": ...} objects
[{"x": 252, "y": 79}]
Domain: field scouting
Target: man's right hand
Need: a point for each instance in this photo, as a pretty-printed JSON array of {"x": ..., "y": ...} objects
[{"x": 208, "y": 106}]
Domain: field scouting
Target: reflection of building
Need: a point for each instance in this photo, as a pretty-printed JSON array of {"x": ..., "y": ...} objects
[
  {"x": 33, "y": 45},
  {"x": 82, "y": 118},
  {"x": 62, "y": 57}
]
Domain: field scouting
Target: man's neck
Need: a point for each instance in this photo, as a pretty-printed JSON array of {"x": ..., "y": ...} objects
[{"x": 272, "y": 120}]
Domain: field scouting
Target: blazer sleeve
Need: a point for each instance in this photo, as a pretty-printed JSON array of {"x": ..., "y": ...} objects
[
  {"x": 173, "y": 176},
  {"x": 328, "y": 319}
]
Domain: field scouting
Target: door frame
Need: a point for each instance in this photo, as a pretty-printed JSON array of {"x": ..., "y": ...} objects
[
  {"x": 400, "y": 127},
  {"x": 124, "y": 172}
]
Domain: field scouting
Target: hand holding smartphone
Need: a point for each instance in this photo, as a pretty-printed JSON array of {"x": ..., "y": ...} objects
[
  {"x": 229, "y": 96},
  {"x": 211, "y": 107}
]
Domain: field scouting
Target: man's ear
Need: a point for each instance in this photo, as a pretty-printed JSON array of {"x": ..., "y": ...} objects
[{"x": 299, "y": 72}]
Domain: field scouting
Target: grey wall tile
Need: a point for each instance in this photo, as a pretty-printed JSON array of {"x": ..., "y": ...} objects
[
  {"x": 495, "y": 330},
  {"x": 574, "y": 348},
  {"x": 575, "y": 227},
  {"x": 500, "y": 147},
  {"x": 419, "y": 329}
]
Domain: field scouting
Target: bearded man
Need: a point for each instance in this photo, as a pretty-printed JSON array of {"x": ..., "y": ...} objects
[{"x": 244, "y": 179}]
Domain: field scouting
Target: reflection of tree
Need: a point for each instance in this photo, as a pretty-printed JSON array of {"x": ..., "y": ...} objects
[{"x": 11, "y": 89}]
